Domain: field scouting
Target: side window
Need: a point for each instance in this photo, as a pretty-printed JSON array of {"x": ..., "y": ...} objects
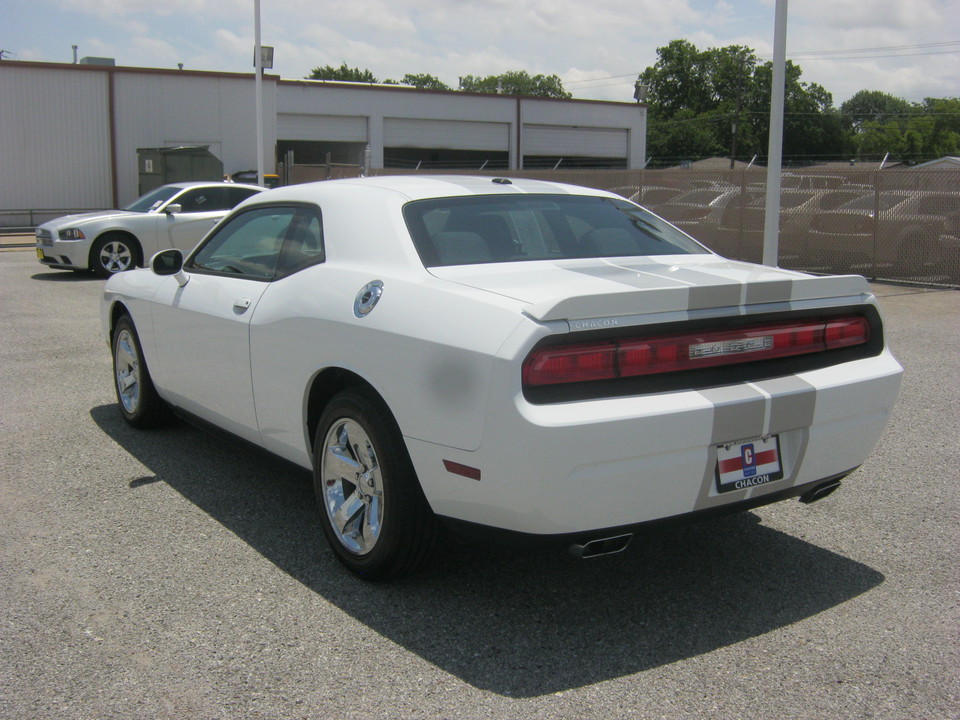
[
  {"x": 249, "y": 245},
  {"x": 198, "y": 200},
  {"x": 236, "y": 195},
  {"x": 303, "y": 245}
]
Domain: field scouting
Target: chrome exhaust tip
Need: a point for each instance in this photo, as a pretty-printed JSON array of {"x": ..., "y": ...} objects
[
  {"x": 601, "y": 546},
  {"x": 819, "y": 492}
]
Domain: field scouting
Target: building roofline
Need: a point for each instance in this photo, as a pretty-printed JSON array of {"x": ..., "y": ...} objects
[
  {"x": 304, "y": 82},
  {"x": 390, "y": 87},
  {"x": 127, "y": 69}
]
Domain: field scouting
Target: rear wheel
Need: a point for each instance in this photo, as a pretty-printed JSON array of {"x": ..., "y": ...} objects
[
  {"x": 113, "y": 253},
  {"x": 139, "y": 402},
  {"x": 372, "y": 509}
]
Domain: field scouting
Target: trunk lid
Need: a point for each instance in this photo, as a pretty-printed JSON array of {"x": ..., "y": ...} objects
[{"x": 592, "y": 289}]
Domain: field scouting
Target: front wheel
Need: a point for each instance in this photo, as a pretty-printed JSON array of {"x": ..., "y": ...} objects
[
  {"x": 113, "y": 253},
  {"x": 139, "y": 402},
  {"x": 372, "y": 509}
]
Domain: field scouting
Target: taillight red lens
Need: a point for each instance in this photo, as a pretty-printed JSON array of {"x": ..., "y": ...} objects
[
  {"x": 847, "y": 332},
  {"x": 689, "y": 351},
  {"x": 570, "y": 363}
]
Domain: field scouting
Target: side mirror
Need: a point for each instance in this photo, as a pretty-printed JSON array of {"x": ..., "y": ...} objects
[
  {"x": 173, "y": 209},
  {"x": 170, "y": 262}
]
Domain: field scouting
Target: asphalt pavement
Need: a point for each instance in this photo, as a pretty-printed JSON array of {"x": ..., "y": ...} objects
[{"x": 174, "y": 574}]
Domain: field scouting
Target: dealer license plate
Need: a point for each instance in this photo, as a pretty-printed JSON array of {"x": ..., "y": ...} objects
[{"x": 747, "y": 463}]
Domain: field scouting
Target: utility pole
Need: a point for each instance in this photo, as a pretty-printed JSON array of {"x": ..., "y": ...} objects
[
  {"x": 258, "y": 67},
  {"x": 733, "y": 130},
  {"x": 736, "y": 114},
  {"x": 771, "y": 223}
]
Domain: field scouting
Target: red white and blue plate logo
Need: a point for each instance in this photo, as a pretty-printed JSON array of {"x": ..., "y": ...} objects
[{"x": 748, "y": 463}]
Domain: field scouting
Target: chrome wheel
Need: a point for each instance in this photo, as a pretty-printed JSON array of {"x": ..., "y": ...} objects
[
  {"x": 352, "y": 486},
  {"x": 139, "y": 402},
  {"x": 113, "y": 253},
  {"x": 127, "y": 371},
  {"x": 115, "y": 256},
  {"x": 372, "y": 509}
]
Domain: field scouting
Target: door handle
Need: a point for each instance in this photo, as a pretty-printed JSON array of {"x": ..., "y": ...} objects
[{"x": 241, "y": 304}]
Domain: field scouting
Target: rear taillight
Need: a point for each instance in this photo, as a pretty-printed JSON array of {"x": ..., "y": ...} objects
[{"x": 634, "y": 357}]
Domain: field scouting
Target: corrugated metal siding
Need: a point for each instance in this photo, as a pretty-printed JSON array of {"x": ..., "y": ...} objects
[
  {"x": 323, "y": 128},
  {"x": 581, "y": 141},
  {"x": 186, "y": 109},
  {"x": 54, "y": 139},
  {"x": 446, "y": 134}
]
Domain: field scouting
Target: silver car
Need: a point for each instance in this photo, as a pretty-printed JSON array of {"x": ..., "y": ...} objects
[{"x": 176, "y": 215}]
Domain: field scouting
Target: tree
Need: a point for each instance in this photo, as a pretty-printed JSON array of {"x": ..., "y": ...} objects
[
  {"x": 812, "y": 127},
  {"x": 944, "y": 136},
  {"x": 516, "y": 82},
  {"x": 875, "y": 106},
  {"x": 328, "y": 72},
  {"x": 725, "y": 94},
  {"x": 881, "y": 124},
  {"x": 425, "y": 81}
]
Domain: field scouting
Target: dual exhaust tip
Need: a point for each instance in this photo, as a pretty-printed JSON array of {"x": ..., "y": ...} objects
[{"x": 618, "y": 543}]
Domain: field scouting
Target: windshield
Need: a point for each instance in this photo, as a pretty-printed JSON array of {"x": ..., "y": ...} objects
[
  {"x": 513, "y": 228},
  {"x": 146, "y": 202}
]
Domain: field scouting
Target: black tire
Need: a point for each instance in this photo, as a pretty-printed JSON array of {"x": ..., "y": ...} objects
[
  {"x": 139, "y": 403},
  {"x": 372, "y": 509},
  {"x": 113, "y": 253}
]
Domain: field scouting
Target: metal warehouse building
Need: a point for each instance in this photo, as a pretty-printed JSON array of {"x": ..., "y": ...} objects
[{"x": 69, "y": 134}]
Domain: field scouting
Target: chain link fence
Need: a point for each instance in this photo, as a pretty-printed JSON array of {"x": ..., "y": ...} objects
[{"x": 895, "y": 224}]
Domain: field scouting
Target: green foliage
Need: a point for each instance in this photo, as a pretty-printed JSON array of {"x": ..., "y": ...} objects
[
  {"x": 516, "y": 82},
  {"x": 425, "y": 81},
  {"x": 873, "y": 106},
  {"x": 716, "y": 102},
  {"x": 717, "y": 99},
  {"x": 882, "y": 124},
  {"x": 328, "y": 72}
]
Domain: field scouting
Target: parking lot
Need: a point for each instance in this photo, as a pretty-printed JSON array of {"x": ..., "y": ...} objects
[{"x": 174, "y": 574}]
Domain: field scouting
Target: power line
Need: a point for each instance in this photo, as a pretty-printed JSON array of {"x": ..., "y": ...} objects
[
  {"x": 609, "y": 77},
  {"x": 887, "y": 48},
  {"x": 890, "y": 51}
]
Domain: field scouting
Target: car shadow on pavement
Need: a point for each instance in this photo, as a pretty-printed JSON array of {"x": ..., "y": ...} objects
[
  {"x": 66, "y": 276},
  {"x": 519, "y": 624}
]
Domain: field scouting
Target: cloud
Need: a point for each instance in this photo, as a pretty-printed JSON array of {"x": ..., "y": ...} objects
[
  {"x": 108, "y": 9},
  {"x": 868, "y": 15},
  {"x": 578, "y": 41}
]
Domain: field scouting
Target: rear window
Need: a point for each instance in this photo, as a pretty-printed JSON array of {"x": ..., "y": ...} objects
[{"x": 512, "y": 228}]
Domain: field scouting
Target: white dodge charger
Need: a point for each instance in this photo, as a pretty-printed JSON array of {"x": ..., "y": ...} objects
[
  {"x": 515, "y": 359},
  {"x": 111, "y": 241}
]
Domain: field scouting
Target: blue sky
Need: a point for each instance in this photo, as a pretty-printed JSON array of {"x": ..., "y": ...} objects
[{"x": 908, "y": 48}]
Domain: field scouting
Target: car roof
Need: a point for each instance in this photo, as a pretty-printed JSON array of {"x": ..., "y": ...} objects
[
  {"x": 420, "y": 187},
  {"x": 210, "y": 183}
]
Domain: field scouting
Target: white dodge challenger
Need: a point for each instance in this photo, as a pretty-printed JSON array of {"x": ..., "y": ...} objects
[{"x": 515, "y": 359}]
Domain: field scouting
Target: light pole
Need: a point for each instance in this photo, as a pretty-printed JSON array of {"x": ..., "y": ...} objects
[
  {"x": 771, "y": 222},
  {"x": 258, "y": 67}
]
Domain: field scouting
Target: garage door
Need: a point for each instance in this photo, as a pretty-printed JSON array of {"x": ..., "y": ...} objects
[
  {"x": 446, "y": 134},
  {"x": 329, "y": 128},
  {"x": 569, "y": 140}
]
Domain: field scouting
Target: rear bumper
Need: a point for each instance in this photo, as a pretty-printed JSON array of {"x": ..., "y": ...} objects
[
  {"x": 576, "y": 468},
  {"x": 474, "y": 532}
]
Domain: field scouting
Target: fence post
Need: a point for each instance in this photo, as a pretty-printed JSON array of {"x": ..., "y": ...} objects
[
  {"x": 876, "y": 223},
  {"x": 741, "y": 241}
]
